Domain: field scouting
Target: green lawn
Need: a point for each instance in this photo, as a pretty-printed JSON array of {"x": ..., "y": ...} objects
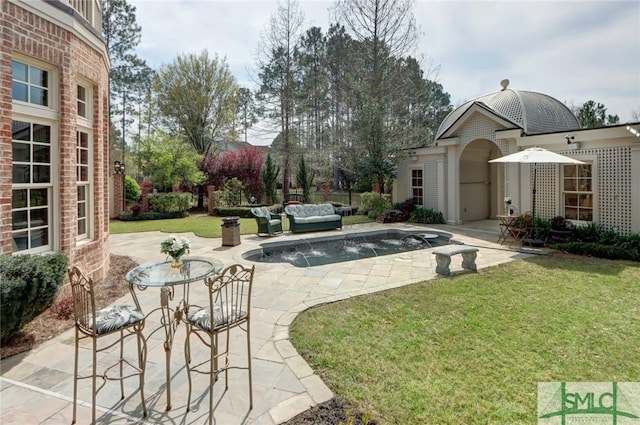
[
  {"x": 471, "y": 349},
  {"x": 202, "y": 225}
]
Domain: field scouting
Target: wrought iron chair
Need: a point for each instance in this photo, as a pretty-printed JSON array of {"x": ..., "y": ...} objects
[
  {"x": 122, "y": 321},
  {"x": 524, "y": 228},
  {"x": 229, "y": 308}
]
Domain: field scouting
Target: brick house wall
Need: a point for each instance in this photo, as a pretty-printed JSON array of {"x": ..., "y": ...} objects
[{"x": 76, "y": 52}]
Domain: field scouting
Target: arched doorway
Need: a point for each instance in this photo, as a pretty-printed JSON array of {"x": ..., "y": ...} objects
[{"x": 478, "y": 181}]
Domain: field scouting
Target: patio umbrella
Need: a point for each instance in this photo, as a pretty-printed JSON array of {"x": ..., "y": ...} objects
[{"x": 536, "y": 156}]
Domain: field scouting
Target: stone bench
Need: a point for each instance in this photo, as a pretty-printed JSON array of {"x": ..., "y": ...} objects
[{"x": 443, "y": 258}]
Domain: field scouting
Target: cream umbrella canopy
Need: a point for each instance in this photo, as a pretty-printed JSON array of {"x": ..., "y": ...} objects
[{"x": 535, "y": 156}]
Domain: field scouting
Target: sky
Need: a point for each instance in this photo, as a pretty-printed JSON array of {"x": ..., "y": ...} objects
[{"x": 574, "y": 51}]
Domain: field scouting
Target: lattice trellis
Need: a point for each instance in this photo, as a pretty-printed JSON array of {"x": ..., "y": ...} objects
[
  {"x": 477, "y": 127},
  {"x": 613, "y": 175},
  {"x": 612, "y": 187}
]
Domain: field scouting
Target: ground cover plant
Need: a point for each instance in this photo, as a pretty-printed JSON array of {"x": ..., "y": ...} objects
[{"x": 471, "y": 349}]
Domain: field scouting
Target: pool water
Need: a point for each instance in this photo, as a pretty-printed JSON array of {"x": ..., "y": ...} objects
[{"x": 354, "y": 246}]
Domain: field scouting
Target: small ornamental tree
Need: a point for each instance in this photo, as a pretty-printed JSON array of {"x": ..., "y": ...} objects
[
  {"x": 305, "y": 180},
  {"x": 244, "y": 164},
  {"x": 270, "y": 179}
]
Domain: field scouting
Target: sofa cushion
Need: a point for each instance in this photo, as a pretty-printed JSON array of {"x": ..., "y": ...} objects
[
  {"x": 261, "y": 212},
  {"x": 321, "y": 218},
  {"x": 296, "y": 210},
  {"x": 274, "y": 222},
  {"x": 326, "y": 209},
  {"x": 310, "y": 210}
]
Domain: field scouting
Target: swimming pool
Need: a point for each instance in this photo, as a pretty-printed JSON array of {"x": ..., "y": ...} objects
[{"x": 347, "y": 247}]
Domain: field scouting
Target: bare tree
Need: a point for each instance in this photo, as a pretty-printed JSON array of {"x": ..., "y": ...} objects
[
  {"x": 277, "y": 73},
  {"x": 387, "y": 32}
]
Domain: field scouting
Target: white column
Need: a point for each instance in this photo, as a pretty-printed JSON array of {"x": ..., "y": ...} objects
[
  {"x": 453, "y": 180},
  {"x": 440, "y": 184}
]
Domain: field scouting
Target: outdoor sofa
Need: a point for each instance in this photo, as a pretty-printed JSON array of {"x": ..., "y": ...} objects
[
  {"x": 268, "y": 222},
  {"x": 312, "y": 217}
]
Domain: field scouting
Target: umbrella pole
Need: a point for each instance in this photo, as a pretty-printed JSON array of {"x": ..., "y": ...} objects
[{"x": 535, "y": 171}]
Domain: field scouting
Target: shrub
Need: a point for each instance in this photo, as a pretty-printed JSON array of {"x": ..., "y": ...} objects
[
  {"x": 391, "y": 216},
  {"x": 172, "y": 202},
  {"x": 611, "y": 252},
  {"x": 132, "y": 189},
  {"x": 152, "y": 216},
  {"x": 594, "y": 240},
  {"x": 372, "y": 201},
  {"x": 560, "y": 223},
  {"x": 426, "y": 216},
  {"x": 589, "y": 232},
  {"x": 29, "y": 285},
  {"x": 406, "y": 207},
  {"x": 63, "y": 308},
  {"x": 242, "y": 212}
]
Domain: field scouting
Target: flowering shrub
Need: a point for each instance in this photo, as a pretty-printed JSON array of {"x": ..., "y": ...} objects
[{"x": 175, "y": 247}]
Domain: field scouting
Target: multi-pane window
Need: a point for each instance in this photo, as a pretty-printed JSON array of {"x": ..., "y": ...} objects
[
  {"x": 82, "y": 101},
  {"x": 578, "y": 192},
  {"x": 417, "y": 187},
  {"x": 31, "y": 191},
  {"x": 83, "y": 183},
  {"x": 29, "y": 83}
]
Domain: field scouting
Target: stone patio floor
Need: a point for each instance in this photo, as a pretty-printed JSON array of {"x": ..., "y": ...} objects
[{"x": 37, "y": 387}]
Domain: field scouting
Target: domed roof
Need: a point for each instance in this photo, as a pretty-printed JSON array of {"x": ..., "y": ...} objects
[{"x": 535, "y": 113}]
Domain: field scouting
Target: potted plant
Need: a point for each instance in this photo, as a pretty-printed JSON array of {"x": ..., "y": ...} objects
[{"x": 561, "y": 229}]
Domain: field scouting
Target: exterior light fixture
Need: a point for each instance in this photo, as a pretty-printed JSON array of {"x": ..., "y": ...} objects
[
  {"x": 571, "y": 144},
  {"x": 633, "y": 131},
  {"x": 118, "y": 167}
]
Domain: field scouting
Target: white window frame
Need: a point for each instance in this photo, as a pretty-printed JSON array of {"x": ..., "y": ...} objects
[
  {"x": 43, "y": 115},
  {"x": 85, "y": 125},
  {"x": 86, "y": 184},
  {"x": 86, "y": 119},
  {"x": 591, "y": 161},
  {"x": 51, "y": 110},
  {"x": 412, "y": 187},
  {"x": 52, "y": 194}
]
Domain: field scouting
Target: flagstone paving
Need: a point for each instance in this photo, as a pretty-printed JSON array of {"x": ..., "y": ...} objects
[{"x": 37, "y": 387}]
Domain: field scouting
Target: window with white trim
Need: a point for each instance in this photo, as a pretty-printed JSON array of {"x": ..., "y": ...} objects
[
  {"x": 32, "y": 187},
  {"x": 82, "y": 102},
  {"x": 29, "y": 83},
  {"x": 578, "y": 192},
  {"x": 83, "y": 179},
  {"x": 84, "y": 161},
  {"x": 417, "y": 186}
]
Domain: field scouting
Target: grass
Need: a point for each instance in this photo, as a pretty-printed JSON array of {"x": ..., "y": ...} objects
[
  {"x": 204, "y": 226},
  {"x": 471, "y": 349}
]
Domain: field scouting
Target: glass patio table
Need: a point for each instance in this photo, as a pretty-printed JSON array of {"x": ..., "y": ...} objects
[{"x": 163, "y": 275}]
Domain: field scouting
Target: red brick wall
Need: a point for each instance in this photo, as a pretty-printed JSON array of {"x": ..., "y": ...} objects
[{"x": 27, "y": 33}]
